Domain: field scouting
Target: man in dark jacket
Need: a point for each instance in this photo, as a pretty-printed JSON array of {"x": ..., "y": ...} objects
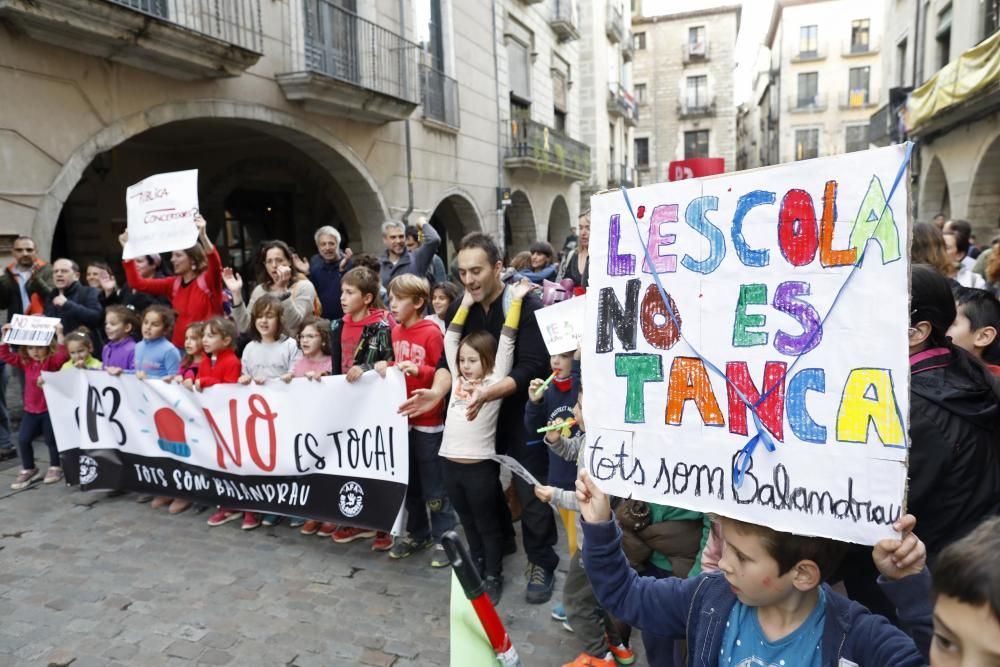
[
  {"x": 480, "y": 266},
  {"x": 72, "y": 302},
  {"x": 397, "y": 260},
  {"x": 26, "y": 282},
  {"x": 325, "y": 270}
]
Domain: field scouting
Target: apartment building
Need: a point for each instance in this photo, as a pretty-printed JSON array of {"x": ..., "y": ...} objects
[
  {"x": 296, "y": 114},
  {"x": 683, "y": 80}
]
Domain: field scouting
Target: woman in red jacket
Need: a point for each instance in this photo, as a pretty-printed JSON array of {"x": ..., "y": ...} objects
[{"x": 195, "y": 289}]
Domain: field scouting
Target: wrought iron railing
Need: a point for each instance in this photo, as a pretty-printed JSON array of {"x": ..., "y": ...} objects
[
  {"x": 622, "y": 103},
  {"x": 548, "y": 148},
  {"x": 439, "y": 96},
  {"x": 235, "y": 22},
  {"x": 342, "y": 45}
]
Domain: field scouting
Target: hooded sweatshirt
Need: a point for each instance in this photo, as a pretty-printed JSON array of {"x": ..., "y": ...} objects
[
  {"x": 422, "y": 343},
  {"x": 954, "y": 465},
  {"x": 362, "y": 343}
]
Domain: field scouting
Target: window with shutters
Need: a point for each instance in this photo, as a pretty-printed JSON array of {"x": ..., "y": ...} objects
[{"x": 519, "y": 66}]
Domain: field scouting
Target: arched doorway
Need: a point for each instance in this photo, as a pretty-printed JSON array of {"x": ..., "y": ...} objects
[
  {"x": 519, "y": 223},
  {"x": 217, "y": 131},
  {"x": 559, "y": 223},
  {"x": 934, "y": 196},
  {"x": 983, "y": 210},
  {"x": 454, "y": 217}
]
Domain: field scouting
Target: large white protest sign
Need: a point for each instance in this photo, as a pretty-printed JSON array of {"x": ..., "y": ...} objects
[
  {"x": 764, "y": 302},
  {"x": 328, "y": 450},
  {"x": 161, "y": 211},
  {"x": 562, "y": 324},
  {"x": 30, "y": 330}
]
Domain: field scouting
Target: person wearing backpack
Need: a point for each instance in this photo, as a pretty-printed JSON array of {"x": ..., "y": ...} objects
[{"x": 195, "y": 289}]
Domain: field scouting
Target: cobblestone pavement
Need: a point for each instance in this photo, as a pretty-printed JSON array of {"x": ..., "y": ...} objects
[{"x": 89, "y": 580}]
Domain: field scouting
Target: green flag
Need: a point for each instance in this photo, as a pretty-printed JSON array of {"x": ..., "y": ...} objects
[{"x": 469, "y": 645}]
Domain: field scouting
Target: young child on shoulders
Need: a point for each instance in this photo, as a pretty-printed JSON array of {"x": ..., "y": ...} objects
[
  {"x": 472, "y": 478},
  {"x": 362, "y": 338},
  {"x": 155, "y": 356},
  {"x": 35, "y": 421},
  {"x": 315, "y": 362},
  {"x": 417, "y": 345},
  {"x": 976, "y": 328},
  {"x": 768, "y": 604},
  {"x": 120, "y": 325}
]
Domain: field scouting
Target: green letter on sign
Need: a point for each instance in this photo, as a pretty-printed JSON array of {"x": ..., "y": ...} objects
[
  {"x": 638, "y": 369},
  {"x": 754, "y": 294},
  {"x": 875, "y": 221}
]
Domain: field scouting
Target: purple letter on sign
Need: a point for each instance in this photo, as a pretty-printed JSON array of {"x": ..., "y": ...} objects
[
  {"x": 786, "y": 300},
  {"x": 658, "y": 240},
  {"x": 618, "y": 265}
]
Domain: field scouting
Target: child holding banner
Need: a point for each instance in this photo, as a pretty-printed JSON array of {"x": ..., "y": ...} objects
[
  {"x": 33, "y": 359},
  {"x": 155, "y": 356},
  {"x": 472, "y": 479},
  {"x": 768, "y": 604},
  {"x": 119, "y": 353}
]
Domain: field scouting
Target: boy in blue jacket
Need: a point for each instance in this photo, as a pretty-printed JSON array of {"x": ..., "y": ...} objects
[{"x": 768, "y": 604}]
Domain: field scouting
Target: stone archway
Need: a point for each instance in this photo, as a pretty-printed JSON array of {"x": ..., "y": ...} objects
[
  {"x": 983, "y": 210},
  {"x": 519, "y": 223},
  {"x": 454, "y": 216},
  {"x": 559, "y": 223},
  {"x": 934, "y": 195},
  {"x": 322, "y": 146}
]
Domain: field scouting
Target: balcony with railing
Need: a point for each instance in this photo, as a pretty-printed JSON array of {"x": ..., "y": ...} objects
[
  {"x": 532, "y": 145},
  {"x": 807, "y": 103},
  {"x": 347, "y": 66},
  {"x": 614, "y": 23},
  {"x": 628, "y": 46},
  {"x": 694, "y": 52},
  {"x": 439, "y": 97},
  {"x": 852, "y": 49},
  {"x": 696, "y": 107},
  {"x": 862, "y": 98},
  {"x": 811, "y": 54},
  {"x": 564, "y": 21},
  {"x": 622, "y": 104},
  {"x": 181, "y": 39},
  {"x": 620, "y": 176}
]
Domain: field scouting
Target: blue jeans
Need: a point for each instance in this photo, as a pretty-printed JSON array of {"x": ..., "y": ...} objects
[
  {"x": 425, "y": 493},
  {"x": 33, "y": 425},
  {"x": 5, "y": 442}
]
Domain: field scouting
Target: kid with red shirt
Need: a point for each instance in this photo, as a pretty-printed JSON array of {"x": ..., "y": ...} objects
[{"x": 417, "y": 346}]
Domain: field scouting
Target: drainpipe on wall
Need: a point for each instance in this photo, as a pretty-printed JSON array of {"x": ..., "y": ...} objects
[
  {"x": 406, "y": 129},
  {"x": 501, "y": 232}
]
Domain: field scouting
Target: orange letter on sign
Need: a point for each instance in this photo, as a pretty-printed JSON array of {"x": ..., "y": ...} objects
[
  {"x": 689, "y": 382},
  {"x": 827, "y": 255}
]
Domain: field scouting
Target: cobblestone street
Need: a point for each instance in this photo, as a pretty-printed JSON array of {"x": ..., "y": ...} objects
[{"x": 89, "y": 580}]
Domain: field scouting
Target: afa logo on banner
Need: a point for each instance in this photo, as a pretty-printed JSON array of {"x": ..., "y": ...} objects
[
  {"x": 751, "y": 332},
  {"x": 327, "y": 450}
]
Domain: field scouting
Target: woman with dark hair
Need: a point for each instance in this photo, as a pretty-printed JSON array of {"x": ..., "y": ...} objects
[
  {"x": 148, "y": 266},
  {"x": 929, "y": 248},
  {"x": 194, "y": 291},
  {"x": 277, "y": 276}
]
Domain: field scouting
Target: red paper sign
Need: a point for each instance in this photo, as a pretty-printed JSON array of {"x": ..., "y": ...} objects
[{"x": 695, "y": 167}]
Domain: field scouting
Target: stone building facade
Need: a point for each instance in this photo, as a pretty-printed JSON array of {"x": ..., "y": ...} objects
[
  {"x": 296, "y": 114},
  {"x": 683, "y": 78}
]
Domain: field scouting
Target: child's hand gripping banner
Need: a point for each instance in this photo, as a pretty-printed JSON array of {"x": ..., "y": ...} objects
[
  {"x": 772, "y": 383},
  {"x": 325, "y": 450}
]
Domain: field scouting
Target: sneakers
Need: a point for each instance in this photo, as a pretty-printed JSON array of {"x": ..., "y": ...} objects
[
  {"x": 439, "y": 557},
  {"x": 345, "y": 534},
  {"x": 251, "y": 520},
  {"x": 177, "y": 506},
  {"x": 160, "y": 501},
  {"x": 310, "y": 527},
  {"x": 24, "y": 479},
  {"x": 382, "y": 542},
  {"x": 559, "y": 614},
  {"x": 222, "y": 516},
  {"x": 585, "y": 660},
  {"x": 326, "y": 529},
  {"x": 296, "y": 522},
  {"x": 52, "y": 475},
  {"x": 143, "y": 498},
  {"x": 270, "y": 520},
  {"x": 407, "y": 546},
  {"x": 540, "y": 584},
  {"x": 494, "y": 588},
  {"x": 623, "y": 654}
]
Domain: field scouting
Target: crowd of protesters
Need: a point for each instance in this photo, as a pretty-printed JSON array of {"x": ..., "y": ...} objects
[{"x": 702, "y": 589}]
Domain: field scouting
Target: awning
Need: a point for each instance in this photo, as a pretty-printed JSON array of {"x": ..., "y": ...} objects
[{"x": 975, "y": 70}]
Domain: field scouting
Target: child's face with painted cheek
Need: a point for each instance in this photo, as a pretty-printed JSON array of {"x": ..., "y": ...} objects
[{"x": 750, "y": 570}]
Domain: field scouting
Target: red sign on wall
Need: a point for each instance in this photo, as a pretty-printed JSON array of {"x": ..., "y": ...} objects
[{"x": 695, "y": 167}]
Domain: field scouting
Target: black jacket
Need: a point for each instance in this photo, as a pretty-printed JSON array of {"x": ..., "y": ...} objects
[
  {"x": 954, "y": 464},
  {"x": 82, "y": 308}
]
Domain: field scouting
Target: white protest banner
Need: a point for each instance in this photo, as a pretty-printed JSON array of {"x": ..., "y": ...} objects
[
  {"x": 161, "y": 211},
  {"x": 562, "y": 324},
  {"x": 787, "y": 286},
  {"x": 515, "y": 467},
  {"x": 30, "y": 330},
  {"x": 327, "y": 450}
]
